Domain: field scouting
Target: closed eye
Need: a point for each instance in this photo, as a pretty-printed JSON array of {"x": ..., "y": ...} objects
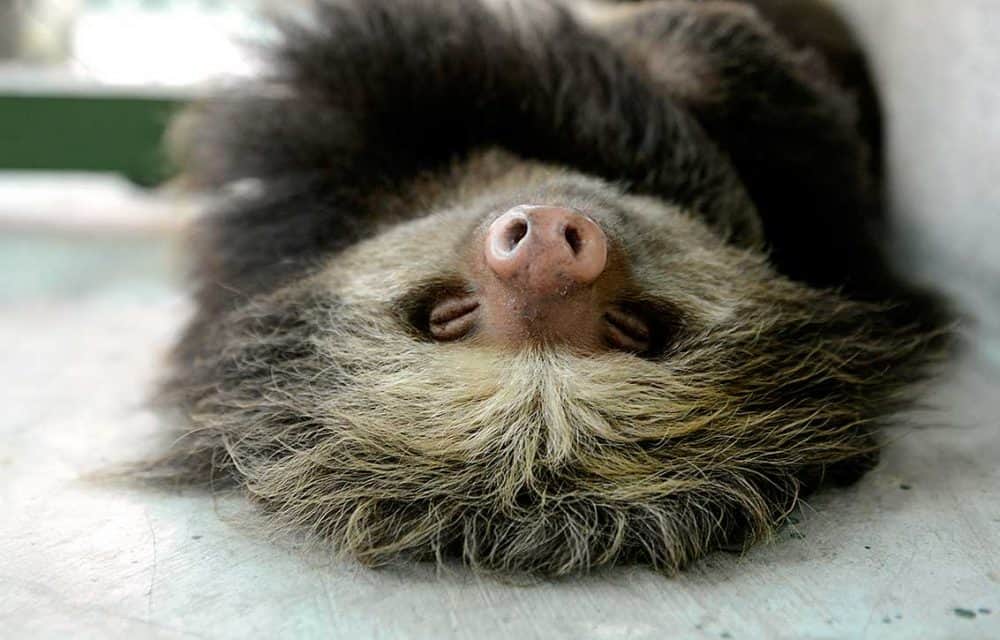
[
  {"x": 441, "y": 309},
  {"x": 453, "y": 318},
  {"x": 644, "y": 328},
  {"x": 627, "y": 331}
]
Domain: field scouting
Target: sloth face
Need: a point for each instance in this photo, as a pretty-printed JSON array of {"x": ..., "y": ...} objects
[{"x": 540, "y": 374}]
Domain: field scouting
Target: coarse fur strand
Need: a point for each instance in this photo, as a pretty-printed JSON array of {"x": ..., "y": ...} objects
[{"x": 385, "y": 133}]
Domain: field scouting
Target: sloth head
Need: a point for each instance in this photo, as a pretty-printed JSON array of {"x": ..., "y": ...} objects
[
  {"x": 495, "y": 296},
  {"x": 546, "y": 375}
]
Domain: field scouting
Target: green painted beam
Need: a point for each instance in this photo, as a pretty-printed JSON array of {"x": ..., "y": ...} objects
[{"x": 86, "y": 133}]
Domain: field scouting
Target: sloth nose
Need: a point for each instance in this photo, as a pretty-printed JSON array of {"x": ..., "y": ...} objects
[{"x": 546, "y": 250}]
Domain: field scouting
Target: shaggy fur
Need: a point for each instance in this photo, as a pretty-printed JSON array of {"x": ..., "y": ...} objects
[{"x": 727, "y": 167}]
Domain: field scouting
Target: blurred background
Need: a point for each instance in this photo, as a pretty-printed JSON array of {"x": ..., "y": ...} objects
[{"x": 87, "y": 88}]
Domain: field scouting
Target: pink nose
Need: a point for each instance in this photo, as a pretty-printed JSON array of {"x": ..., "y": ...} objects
[{"x": 546, "y": 250}]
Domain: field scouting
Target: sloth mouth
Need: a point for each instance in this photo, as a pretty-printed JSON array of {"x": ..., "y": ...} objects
[{"x": 453, "y": 319}]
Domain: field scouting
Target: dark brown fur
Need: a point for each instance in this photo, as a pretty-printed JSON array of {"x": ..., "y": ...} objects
[{"x": 727, "y": 165}]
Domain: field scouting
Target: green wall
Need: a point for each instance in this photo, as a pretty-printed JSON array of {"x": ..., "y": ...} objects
[{"x": 86, "y": 133}]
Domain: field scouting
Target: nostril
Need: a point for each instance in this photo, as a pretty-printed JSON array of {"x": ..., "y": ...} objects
[
  {"x": 513, "y": 234},
  {"x": 529, "y": 243},
  {"x": 573, "y": 238}
]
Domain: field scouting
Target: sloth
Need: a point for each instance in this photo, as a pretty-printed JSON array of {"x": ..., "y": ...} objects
[{"x": 540, "y": 286}]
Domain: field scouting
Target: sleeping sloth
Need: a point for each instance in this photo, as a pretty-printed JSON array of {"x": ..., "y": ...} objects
[{"x": 538, "y": 285}]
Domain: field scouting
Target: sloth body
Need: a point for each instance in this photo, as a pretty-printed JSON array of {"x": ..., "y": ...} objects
[{"x": 389, "y": 352}]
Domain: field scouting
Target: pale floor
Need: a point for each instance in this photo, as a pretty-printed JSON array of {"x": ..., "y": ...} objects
[{"x": 909, "y": 552}]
